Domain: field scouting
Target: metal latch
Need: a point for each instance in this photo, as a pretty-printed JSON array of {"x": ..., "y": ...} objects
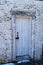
[{"x": 17, "y": 35}]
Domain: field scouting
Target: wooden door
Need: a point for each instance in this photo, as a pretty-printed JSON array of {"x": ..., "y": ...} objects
[{"x": 23, "y": 32}]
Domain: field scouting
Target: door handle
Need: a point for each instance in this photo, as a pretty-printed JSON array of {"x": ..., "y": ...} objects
[{"x": 17, "y": 35}]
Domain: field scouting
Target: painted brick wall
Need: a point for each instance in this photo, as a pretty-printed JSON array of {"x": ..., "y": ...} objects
[{"x": 6, "y": 27}]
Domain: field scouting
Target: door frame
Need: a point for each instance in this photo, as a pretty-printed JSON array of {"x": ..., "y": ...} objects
[{"x": 23, "y": 12}]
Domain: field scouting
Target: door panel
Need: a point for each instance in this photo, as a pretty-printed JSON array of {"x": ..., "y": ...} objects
[{"x": 23, "y": 27}]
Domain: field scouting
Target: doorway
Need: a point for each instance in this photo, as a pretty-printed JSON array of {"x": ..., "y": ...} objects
[{"x": 23, "y": 35}]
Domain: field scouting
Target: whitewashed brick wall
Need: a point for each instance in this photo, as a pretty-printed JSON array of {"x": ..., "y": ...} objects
[{"x": 6, "y": 27}]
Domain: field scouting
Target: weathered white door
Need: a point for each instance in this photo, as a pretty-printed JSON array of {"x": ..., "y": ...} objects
[{"x": 23, "y": 31}]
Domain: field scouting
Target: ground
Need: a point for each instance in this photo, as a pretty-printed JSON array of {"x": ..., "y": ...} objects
[
  {"x": 24, "y": 60},
  {"x": 26, "y": 63}
]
